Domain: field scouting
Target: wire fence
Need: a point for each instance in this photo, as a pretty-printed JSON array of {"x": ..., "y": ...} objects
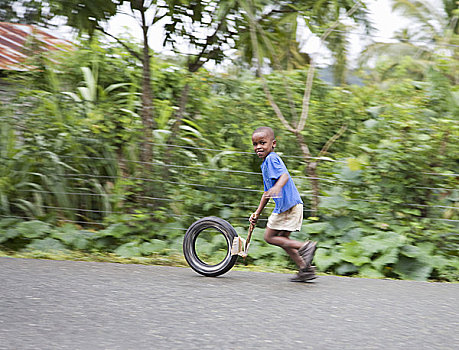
[
  {"x": 181, "y": 183},
  {"x": 243, "y": 186}
]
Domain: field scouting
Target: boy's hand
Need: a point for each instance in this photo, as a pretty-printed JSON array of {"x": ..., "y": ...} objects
[
  {"x": 276, "y": 190},
  {"x": 273, "y": 192},
  {"x": 254, "y": 218}
]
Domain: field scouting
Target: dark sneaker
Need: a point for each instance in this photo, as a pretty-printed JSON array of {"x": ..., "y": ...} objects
[
  {"x": 307, "y": 252},
  {"x": 305, "y": 275},
  {"x": 310, "y": 268}
]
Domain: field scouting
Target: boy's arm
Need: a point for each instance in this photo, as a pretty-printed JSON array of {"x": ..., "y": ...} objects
[
  {"x": 271, "y": 193},
  {"x": 277, "y": 188}
]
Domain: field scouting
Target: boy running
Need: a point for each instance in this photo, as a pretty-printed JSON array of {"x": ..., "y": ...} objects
[{"x": 287, "y": 215}]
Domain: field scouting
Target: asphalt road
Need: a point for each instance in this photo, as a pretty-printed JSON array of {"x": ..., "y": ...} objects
[{"x": 81, "y": 305}]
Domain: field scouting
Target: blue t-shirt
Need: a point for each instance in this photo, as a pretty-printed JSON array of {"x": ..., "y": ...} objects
[{"x": 272, "y": 168}]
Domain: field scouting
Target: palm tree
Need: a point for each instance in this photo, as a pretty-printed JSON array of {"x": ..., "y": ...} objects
[
  {"x": 432, "y": 31},
  {"x": 276, "y": 29}
]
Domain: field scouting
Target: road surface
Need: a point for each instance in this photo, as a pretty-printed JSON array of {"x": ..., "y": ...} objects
[{"x": 86, "y": 305}]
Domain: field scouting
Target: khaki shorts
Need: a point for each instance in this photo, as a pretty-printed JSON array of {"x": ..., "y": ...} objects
[{"x": 290, "y": 220}]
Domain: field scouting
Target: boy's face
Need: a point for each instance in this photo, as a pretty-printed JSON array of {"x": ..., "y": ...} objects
[{"x": 263, "y": 144}]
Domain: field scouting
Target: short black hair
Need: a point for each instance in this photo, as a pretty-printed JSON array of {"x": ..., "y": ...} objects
[{"x": 265, "y": 129}]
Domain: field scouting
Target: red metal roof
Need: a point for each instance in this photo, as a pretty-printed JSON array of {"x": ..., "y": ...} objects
[{"x": 13, "y": 48}]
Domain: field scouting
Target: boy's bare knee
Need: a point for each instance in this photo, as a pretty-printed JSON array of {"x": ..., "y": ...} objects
[
  {"x": 270, "y": 236},
  {"x": 268, "y": 239}
]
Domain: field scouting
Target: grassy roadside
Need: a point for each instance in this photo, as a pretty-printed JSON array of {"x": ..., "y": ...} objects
[{"x": 176, "y": 259}]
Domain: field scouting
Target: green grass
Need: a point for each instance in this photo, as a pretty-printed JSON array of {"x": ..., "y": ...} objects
[{"x": 173, "y": 259}]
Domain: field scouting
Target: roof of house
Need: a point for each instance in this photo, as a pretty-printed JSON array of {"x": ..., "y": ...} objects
[{"x": 13, "y": 39}]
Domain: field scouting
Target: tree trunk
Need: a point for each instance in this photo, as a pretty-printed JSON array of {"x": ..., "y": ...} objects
[
  {"x": 176, "y": 127},
  {"x": 181, "y": 112},
  {"x": 311, "y": 173},
  {"x": 146, "y": 153}
]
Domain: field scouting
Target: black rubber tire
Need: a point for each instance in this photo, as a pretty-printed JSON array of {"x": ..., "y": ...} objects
[{"x": 189, "y": 246}]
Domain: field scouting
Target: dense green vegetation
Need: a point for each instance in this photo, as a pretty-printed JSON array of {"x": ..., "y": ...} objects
[{"x": 77, "y": 172}]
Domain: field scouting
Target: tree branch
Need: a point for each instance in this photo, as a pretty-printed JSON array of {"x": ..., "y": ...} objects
[
  {"x": 275, "y": 107},
  {"x": 310, "y": 77},
  {"x": 273, "y": 104},
  {"x": 306, "y": 96},
  {"x": 331, "y": 141},
  {"x": 131, "y": 51},
  {"x": 279, "y": 67},
  {"x": 194, "y": 66}
]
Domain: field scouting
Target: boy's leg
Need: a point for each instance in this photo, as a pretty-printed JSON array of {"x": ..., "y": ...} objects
[
  {"x": 282, "y": 239},
  {"x": 307, "y": 251}
]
